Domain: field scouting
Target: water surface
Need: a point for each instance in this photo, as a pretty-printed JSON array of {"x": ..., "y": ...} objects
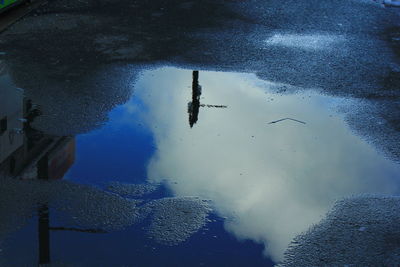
[{"x": 230, "y": 169}]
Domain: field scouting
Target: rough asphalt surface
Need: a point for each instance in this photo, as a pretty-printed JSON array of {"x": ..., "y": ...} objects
[
  {"x": 358, "y": 231},
  {"x": 79, "y": 59}
]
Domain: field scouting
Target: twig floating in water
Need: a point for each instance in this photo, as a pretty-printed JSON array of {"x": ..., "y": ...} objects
[{"x": 287, "y": 119}]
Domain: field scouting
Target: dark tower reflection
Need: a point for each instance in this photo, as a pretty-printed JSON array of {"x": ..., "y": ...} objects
[{"x": 194, "y": 105}]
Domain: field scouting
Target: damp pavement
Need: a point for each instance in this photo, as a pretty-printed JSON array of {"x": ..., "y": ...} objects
[{"x": 200, "y": 133}]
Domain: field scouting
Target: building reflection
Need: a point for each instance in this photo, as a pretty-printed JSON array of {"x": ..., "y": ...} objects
[
  {"x": 26, "y": 153},
  {"x": 194, "y": 105},
  {"x": 23, "y": 149}
]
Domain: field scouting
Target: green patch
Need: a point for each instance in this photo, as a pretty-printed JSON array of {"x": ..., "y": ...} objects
[{"x": 6, "y": 3}]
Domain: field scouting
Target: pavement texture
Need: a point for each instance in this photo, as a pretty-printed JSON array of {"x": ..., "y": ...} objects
[{"x": 79, "y": 59}]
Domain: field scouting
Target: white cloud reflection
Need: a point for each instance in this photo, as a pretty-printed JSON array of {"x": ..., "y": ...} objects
[{"x": 273, "y": 180}]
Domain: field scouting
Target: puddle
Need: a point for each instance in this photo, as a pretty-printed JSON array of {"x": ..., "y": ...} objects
[
  {"x": 269, "y": 163},
  {"x": 272, "y": 180}
]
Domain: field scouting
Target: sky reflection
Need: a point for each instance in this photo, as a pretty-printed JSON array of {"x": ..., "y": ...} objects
[{"x": 272, "y": 181}]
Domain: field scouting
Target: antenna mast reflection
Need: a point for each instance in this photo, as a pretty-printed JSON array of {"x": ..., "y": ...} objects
[{"x": 194, "y": 105}]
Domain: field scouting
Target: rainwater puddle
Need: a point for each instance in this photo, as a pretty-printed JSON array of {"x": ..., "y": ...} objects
[{"x": 197, "y": 169}]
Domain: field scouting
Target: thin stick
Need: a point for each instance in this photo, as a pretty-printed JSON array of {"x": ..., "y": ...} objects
[{"x": 287, "y": 119}]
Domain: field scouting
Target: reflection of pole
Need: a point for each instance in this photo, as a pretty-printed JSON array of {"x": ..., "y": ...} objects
[
  {"x": 45, "y": 171},
  {"x": 43, "y": 168},
  {"x": 44, "y": 235},
  {"x": 44, "y": 232},
  {"x": 195, "y": 82},
  {"x": 194, "y": 106}
]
